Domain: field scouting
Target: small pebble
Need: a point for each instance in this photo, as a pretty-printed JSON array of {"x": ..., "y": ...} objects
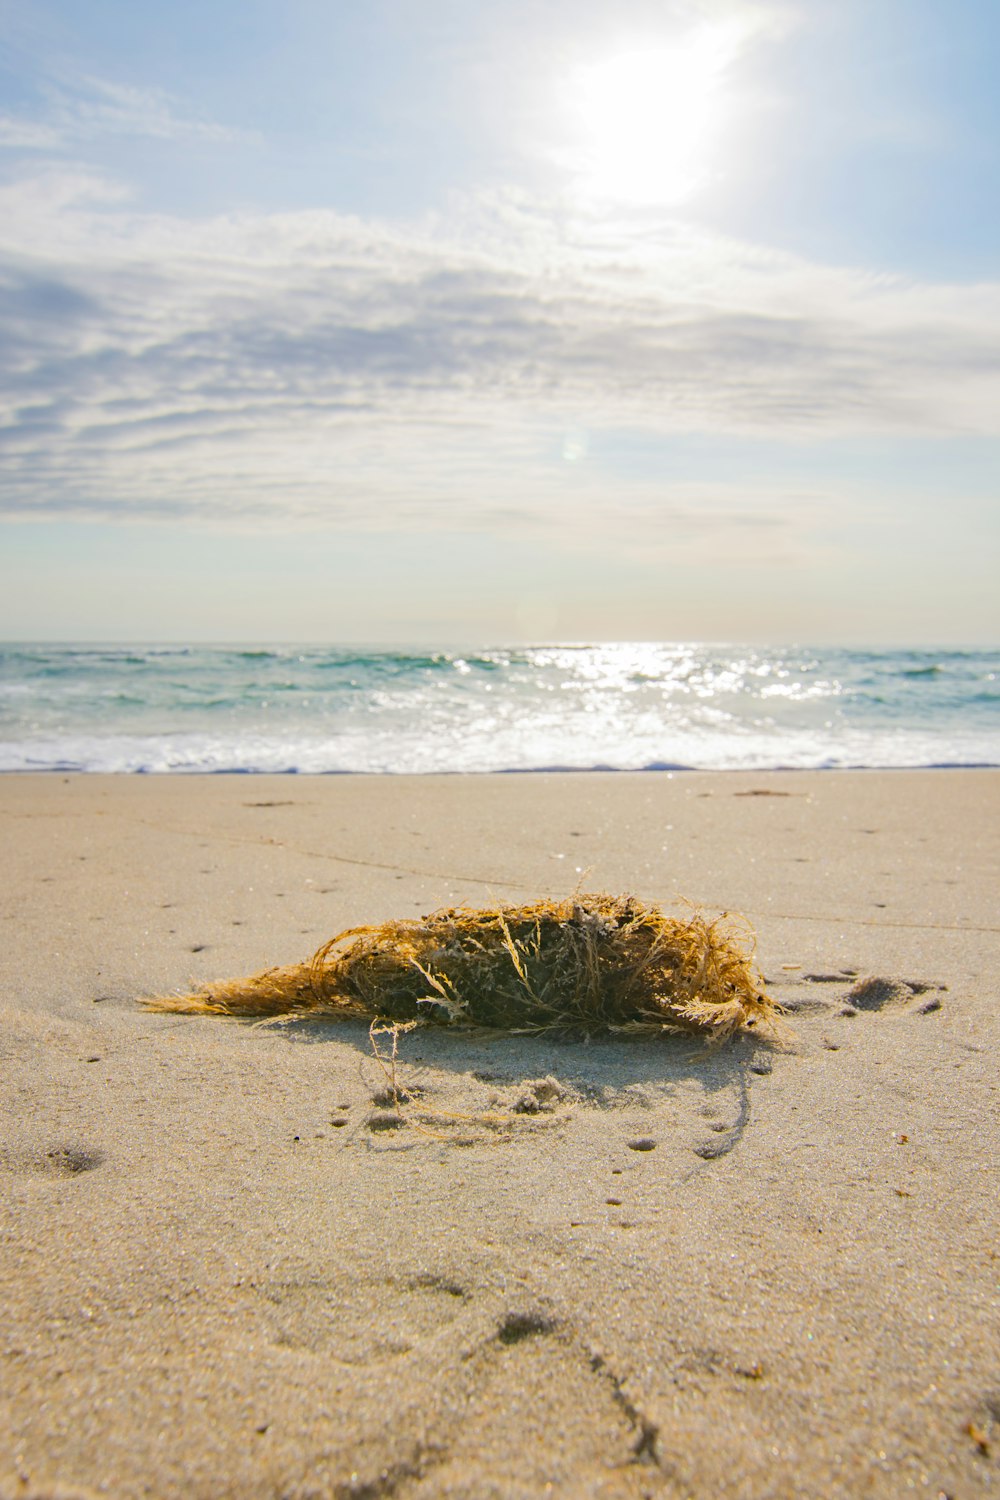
[{"x": 642, "y": 1143}]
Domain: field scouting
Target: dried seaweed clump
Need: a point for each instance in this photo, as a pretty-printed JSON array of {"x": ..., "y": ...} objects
[{"x": 592, "y": 963}]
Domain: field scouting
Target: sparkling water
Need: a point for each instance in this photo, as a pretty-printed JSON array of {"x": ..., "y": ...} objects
[{"x": 619, "y": 706}]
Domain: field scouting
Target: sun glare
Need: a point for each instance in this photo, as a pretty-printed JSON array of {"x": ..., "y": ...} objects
[{"x": 645, "y": 121}]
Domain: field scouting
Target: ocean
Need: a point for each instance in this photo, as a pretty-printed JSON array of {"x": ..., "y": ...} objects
[{"x": 620, "y": 706}]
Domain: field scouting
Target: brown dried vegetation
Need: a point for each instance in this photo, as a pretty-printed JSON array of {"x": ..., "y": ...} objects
[{"x": 593, "y": 963}]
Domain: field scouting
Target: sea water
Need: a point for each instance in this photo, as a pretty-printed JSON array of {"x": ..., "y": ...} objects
[{"x": 620, "y": 706}]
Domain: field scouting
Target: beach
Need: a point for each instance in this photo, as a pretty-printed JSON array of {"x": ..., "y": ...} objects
[{"x": 586, "y": 1267}]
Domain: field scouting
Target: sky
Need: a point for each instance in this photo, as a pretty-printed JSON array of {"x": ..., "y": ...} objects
[{"x": 419, "y": 321}]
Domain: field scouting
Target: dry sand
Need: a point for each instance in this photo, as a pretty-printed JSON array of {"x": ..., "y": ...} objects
[{"x": 220, "y": 1277}]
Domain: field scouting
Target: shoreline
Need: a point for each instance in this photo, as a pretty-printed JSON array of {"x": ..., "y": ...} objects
[
  {"x": 620, "y": 1269},
  {"x": 654, "y": 770}
]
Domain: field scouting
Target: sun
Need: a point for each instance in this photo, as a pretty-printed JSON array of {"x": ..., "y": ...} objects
[{"x": 645, "y": 120}]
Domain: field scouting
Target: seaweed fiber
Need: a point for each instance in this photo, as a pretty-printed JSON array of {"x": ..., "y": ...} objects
[{"x": 592, "y": 963}]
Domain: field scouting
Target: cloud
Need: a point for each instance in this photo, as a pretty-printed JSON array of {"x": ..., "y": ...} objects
[
  {"x": 317, "y": 369},
  {"x": 99, "y": 106},
  {"x": 77, "y": 109},
  {"x": 29, "y": 135}
]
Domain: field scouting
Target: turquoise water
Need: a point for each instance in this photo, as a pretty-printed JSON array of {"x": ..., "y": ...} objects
[{"x": 622, "y": 706}]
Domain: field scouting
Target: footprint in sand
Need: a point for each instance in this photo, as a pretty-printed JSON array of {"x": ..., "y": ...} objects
[
  {"x": 333, "y": 1315},
  {"x": 869, "y": 995},
  {"x": 60, "y": 1160},
  {"x": 876, "y": 994},
  {"x": 581, "y": 1434}
]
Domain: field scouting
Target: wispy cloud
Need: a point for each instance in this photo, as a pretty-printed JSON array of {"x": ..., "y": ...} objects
[
  {"x": 24, "y": 134},
  {"x": 100, "y": 106},
  {"x": 74, "y": 109},
  {"x": 318, "y": 369}
]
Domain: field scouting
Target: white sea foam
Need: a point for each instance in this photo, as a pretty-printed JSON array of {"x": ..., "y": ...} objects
[{"x": 623, "y": 706}]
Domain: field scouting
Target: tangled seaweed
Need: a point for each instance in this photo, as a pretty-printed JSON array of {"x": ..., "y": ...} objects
[{"x": 594, "y": 963}]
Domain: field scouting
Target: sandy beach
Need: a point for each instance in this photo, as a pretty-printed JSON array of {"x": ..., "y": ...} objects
[{"x": 579, "y": 1268}]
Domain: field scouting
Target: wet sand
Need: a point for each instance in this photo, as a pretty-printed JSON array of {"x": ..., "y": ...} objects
[{"x": 605, "y": 1268}]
